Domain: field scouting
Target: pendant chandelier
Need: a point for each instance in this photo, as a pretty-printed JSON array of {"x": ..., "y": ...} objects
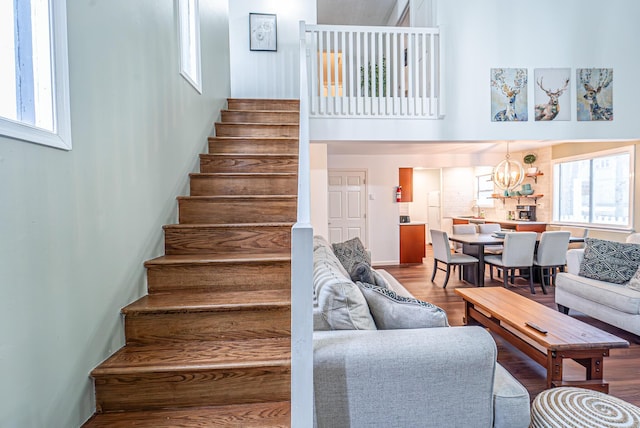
[{"x": 508, "y": 173}]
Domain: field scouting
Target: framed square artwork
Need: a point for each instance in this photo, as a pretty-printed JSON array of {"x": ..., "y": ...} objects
[{"x": 263, "y": 34}]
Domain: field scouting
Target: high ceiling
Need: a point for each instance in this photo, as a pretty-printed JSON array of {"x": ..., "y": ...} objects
[{"x": 354, "y": 12}]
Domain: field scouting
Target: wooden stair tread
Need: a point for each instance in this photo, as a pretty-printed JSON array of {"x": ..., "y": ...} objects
[
  {"x": 243, "y": 174},
  {"x": 211, "y": 300},
  {"x": 201, "y": 355},
  {"x": 258, "y": 124},
  {"x": 249, "y": 137},
  {"x": 218, "y": 258},
  {"x": 225, "y": 225},
  {"x": 251, "y": 155},
  {"x": 251, "y": 415},
  {"x": 240, "y": 197}
]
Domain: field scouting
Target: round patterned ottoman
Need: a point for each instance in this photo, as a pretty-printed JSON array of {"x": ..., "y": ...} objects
[{"x": 568, "y": 407}]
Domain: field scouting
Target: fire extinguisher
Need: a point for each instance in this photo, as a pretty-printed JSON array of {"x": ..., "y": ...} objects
[{"x": 399, "y": 194}]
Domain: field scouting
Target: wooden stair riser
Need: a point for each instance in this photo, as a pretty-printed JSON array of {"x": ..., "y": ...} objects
[
  {"x": 216, "y": 185},
  {"x": 250, "y": 323},
  {"x": 262, "y": 104},
  {"x": 256, "y": 130},
  {"x": 248, "y": 163},
  {"x": 253, "y": 145},
  {"x": 223, "y": 240},
  {"x": 259, "y": 116},
  {"x": 189, "y": 387},
  {"x": 220, "y": 210},
  {"x": 219, "y": 276}
]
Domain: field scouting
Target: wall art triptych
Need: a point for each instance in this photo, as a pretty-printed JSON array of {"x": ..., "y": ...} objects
[{"x": 551, "y": 94}]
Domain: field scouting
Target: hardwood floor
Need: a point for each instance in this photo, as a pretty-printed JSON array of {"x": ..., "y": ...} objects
[{"x": 622, "y": 367}]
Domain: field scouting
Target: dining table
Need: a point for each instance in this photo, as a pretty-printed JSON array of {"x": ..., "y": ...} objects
[{"x": 473, "y": 244}]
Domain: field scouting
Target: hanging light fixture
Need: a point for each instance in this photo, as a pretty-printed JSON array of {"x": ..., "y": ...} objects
[{"x": 508, "y": 173}]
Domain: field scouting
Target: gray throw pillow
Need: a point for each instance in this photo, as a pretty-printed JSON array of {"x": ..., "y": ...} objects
[
  {"x": 351, "y": 252},
  {"x": 340, "y": 301},
  {"x": 392, "y": 311},
  {"x": 634, "y": 282},
  {"x": 361, "y": 271},
  {"x": 609, "y": 261}
]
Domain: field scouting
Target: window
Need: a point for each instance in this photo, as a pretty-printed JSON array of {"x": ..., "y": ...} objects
[
  {"x": 485, "y": 190},
  {"x": 34, "y": 105},
  {"x": 189, "y": 24},
  {"x": 595, "y": 189}
]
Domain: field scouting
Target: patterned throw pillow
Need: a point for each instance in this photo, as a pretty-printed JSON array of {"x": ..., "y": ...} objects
[
  {"x": 351, "y": 252},
  {"x": 392, "y": 311},
  {"x": 610, "y": 261}
]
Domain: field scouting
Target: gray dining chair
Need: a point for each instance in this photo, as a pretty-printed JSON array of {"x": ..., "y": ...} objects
[
  {"x": 517, "y": 255},
  {"x": 489, "y": 228},
  {"x": 462, "y": 229},
  {"x": 551, "y": 255},
  {"x": 442, "y": 254}
]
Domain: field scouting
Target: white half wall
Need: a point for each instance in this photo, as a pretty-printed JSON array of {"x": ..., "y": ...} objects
[
  {"x": 267, "y": 74},
  {"x": 77, "y": 226},
  {"x": 319, "y": 190}
]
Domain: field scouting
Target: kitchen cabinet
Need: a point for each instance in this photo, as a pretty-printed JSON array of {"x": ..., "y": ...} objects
[
  {"x": 405, "y": 179},
  {"x": 412, "y": 243}
]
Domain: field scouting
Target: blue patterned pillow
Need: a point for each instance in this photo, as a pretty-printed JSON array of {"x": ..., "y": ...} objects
[
  {"x": 392, "y": 311},
  {"x": 610, "y": 261}
]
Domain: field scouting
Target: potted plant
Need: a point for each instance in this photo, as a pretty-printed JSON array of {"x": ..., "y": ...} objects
[{"x": 529, "y": 159}]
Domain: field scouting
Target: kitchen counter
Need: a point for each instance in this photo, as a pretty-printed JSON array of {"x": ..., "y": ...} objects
[
  {"x": 412, "y": 223},
  {"x": 517, "y": 225}
]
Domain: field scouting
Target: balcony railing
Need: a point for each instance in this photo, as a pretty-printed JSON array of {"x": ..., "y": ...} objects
[{"x": 374, "y": 72}]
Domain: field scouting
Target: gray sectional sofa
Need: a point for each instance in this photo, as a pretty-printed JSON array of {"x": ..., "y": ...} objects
[
  {"x": 615, "y": 304},
  {"x": 411, "y": 377}
]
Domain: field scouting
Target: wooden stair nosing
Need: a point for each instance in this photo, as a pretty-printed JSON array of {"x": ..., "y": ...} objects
[
  {"x": 209, "y": 301},
  {"x": 227, "y": 225},
  {"x": 231, "y": 198},
  {"x": 251, "y": 415},
  {"x": 201, "y": 355},
  {"x": 204, "y": 259},
  {"x": 263, "y": 175}
]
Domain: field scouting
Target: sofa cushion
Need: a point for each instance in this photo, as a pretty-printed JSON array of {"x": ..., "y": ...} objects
[
  {"x": 392, "y": 311},
  {"x": 610, "y": 261},
  {"x": 351, "y": 252},
  {"x": 339, "y": 300},
  {"x": 620, "y": 298}
]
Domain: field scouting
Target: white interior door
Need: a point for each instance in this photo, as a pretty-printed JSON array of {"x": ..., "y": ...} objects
[{"x": 347, "y": 205}]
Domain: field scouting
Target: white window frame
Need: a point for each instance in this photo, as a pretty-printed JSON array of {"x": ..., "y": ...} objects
[
  {"x": 630, "y": 150},
  {"x": 60, "y": 137},
  {"x": 189, "y": 35},
  {"x": 486, "y": 202}
]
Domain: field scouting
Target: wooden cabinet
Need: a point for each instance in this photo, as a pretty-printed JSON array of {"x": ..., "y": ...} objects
[
  {"x": 412, "y": 243},
  {"x": 405, "y": 179}
]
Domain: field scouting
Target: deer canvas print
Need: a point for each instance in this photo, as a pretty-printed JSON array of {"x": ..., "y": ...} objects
[
  {"x": 595, "y": 93},
  {"x": 509, "y": 94},
  {"x": 552, "y": 94}
]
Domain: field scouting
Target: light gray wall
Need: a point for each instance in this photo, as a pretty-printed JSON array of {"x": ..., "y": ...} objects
[{"x": 77, "y": 226}]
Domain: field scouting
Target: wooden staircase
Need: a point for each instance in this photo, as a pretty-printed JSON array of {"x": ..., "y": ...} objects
[{"x": 210, "y": 344}]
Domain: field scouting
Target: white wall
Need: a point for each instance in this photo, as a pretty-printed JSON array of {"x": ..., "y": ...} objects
[
  {"x": 262, "y": 74},
  {"x": 383, "y": 211},
  {"x": 319, "y": 189},
  {"x": 77, "y": 226},
  {"x": 480, "y": 35}
]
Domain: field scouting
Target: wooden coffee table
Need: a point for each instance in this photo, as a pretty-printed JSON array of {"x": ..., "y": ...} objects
[{"x": 506, "y": 314}]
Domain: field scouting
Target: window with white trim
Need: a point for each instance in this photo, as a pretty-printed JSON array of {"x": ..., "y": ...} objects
[
  {"x": 595, "y": 189},
  {"x": 189, "y": 24},
  {"x": 34, "y": 105},
  {"x": 484, "y": 186}
]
